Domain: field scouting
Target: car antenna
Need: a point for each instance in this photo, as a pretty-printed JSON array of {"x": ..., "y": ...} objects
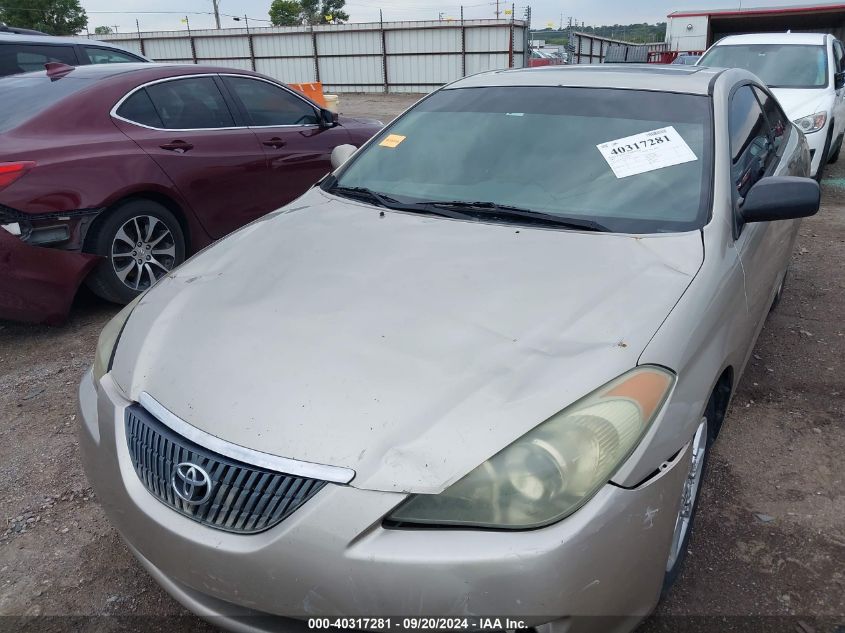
[{"x": 57, "y": 70}]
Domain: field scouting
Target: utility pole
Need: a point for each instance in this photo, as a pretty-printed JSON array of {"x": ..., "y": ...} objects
[
  {"x": 497, "y": 9},
  {"x": 114, "y": 26},
  {"x": 216, "y": 4}
]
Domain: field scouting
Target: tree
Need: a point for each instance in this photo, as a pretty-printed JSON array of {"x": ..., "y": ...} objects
[
  {"x": 285, "y": 13},
  {"x": 319, "y": 12},
  {"x": 102, "y": 30},
  {"x": 54, "y": 17}
]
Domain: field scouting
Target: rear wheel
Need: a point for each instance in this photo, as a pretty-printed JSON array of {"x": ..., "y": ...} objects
[{"x": 140, "y": 241}]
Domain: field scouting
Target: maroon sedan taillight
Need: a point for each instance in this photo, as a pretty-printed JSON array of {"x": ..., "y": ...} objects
[{"x": 10, "y": 172}]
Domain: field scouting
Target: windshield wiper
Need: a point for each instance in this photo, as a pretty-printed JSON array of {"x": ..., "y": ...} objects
[
  {"x": 510, "y": 212},
  {"x": 362, "y": 192},
  {"x": 374, "y": 197}
]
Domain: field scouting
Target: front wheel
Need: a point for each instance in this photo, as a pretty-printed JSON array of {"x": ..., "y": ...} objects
[
  {"x": 835, "y": 156},
  {"x": 140, "y": 241},
  {"x": 689, "y": 503}
]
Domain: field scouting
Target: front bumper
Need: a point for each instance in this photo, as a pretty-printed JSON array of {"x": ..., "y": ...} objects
[
  {"x": 38, "y": 284},
  {"x": 333, "y": 557}
]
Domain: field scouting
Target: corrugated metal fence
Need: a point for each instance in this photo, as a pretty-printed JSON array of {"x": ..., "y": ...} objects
[
  {"x": 371, "y": 57},
  {"x": 586, "y": 48}
]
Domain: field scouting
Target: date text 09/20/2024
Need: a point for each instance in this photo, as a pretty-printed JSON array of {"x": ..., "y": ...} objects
[{"x": 420, "y": 623}]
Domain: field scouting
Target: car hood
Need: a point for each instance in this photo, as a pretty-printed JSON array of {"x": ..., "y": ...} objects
[
  {"x": 405, "y": 347},
  {"x": 800, "y": 102}
]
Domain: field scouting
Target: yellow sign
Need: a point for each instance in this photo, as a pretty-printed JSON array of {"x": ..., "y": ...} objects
[
  {"x": 508, "y": 11},
  {"x": 550, "y": 25},
  {"x": 329, "y": 18},
  {"x": 392, "y": 140}
]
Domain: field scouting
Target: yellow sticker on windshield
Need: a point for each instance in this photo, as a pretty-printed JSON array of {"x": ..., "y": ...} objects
[{"x": 392, "y": 140}]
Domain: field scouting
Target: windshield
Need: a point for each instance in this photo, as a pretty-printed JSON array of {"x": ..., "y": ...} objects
[
  {"x": 778, "y": 65},
  {"x": 538, "y": 149}
]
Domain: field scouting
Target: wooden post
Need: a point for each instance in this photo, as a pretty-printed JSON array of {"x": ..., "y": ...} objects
[
  {"x": 316, "y": 55},
  {"x": 463, "y": 45},
  {"x": 249, "y": 43},
  {"x": 383, "y": 52},
  {"x": 140, "y": 39},
  {"x": 191, "y": 41},
  {"x": 510, "y": 38}
]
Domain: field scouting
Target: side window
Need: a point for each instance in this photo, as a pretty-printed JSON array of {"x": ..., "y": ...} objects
[
  {"x": 838, "y": 57},
  {"x": 750, "y": 145},
  {"x": 190, "y": 103},
  {"x": 98, "y": 55},
  {"x": 268, "y": 104},
  {"x": 140, "y": 109},
  {"x": 24, "y": 58},
  {"x": 778, "y": 122}
]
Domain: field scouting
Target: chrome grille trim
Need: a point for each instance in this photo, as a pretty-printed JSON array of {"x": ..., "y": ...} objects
[
  {"x": 334, "y": 474},
  {"x": 244, "y": 498}
]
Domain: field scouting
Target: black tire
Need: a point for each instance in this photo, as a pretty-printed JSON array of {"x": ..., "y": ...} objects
[
  {"x": 835, "y": 156},
  {"x": 779, "y": 293},
  {"x": 825, "y": 158},
  {"x": 124, "y": 273},
  {"x": 674, "y": 571}
]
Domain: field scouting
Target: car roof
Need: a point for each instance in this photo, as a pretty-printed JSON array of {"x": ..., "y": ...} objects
[
  {"x": 150, "y": 71},
  {"x": 6, "y": 38},
  {"x": 655, "y": 77},
  {"x": 773, "y": 38}
]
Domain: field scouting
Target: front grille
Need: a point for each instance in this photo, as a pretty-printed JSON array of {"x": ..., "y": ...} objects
[{"x": 243, "y": 498}]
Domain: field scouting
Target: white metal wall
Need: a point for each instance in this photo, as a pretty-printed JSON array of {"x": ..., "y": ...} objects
[{"x": 370, "y": 57}]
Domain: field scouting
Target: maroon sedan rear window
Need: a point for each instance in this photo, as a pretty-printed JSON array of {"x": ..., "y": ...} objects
[{"x": 24, "y": 96}]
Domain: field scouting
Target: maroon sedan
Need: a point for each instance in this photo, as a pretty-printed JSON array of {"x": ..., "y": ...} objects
[{"x": 113, "y": 173}]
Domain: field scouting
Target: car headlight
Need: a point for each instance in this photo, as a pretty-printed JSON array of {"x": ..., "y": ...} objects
[
  {"x": 108, "y": 340},
  {"x": 556, "y": 467},
  {"x": 811, "y": 123}
]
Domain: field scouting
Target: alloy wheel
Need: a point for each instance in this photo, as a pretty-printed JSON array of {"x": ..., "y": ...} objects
[
  {"x": 692, "y": 484},
  {"x": 143, "y": 250}
]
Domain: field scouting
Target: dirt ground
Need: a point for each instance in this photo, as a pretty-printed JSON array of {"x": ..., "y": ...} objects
[{"x": 767, "y": 553}]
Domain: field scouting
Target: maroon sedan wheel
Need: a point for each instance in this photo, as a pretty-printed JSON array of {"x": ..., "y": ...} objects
[{"x": 140, "y": 241}]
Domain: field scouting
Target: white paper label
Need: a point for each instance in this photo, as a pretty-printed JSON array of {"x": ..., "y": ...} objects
[{"x": 646, "y": 152}]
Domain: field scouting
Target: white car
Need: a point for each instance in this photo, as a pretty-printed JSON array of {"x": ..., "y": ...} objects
[{"x": 806, "y": 73}]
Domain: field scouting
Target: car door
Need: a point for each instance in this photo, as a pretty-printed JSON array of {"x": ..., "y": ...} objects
[
  {"x": 213, "y": 159},
  {"x": 287, "y": 126},
  {"x": 757, "y": 146}
]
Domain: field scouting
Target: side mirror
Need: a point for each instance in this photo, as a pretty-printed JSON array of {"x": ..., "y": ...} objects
[
  {"x": 343, "y": 153},
  {"x": 781, "y": 198},
  {"x": 839, "y": 80},
  {"x": 327, "y": 118}
]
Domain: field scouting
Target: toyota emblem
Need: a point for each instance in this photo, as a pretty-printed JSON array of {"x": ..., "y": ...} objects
[{"x": 191, "y": 483}]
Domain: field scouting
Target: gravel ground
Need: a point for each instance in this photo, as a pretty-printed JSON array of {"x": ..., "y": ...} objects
[{"x": 767, "y": 554}]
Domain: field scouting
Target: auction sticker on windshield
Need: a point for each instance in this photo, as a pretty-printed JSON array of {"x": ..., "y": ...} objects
[
  {"x": 392, "y": 140},
  {"x": 646, "y": 152}
]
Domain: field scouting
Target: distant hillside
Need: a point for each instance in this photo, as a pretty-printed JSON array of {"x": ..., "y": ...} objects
[{"x": 628, "y": 32}]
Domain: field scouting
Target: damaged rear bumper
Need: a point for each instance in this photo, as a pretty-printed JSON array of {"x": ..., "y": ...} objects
[{"x": 37, "y": 283}]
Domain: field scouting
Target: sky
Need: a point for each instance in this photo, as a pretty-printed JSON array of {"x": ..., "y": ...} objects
[{"x": 154, "y": 15}]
